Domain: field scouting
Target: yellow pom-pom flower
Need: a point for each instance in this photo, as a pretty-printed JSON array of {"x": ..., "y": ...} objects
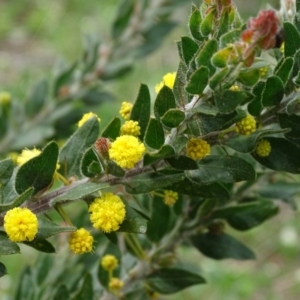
[
  {"x": 235, "y": 88},
  {"x": 5, "y": 98},
  {"x": 126, "y": 151},
  {"x": 263, "y": 148},
  {"x": 115, "y": 284},
  {"x": 170, "y": 197},
  {"x": 125, "y": 110},
  {"x": 81, "y": 241},
  {"x": 168, "y": 80},
  {"x": 197, "y": 148},
  {"x": 131, "y": 128},
  {"x": 246, "y": 126},
  {"x": 26, "y": 155},
  {"x": 109, "y": 262},
  {"x": 107, "y": 212},
  {"x": 20, "y": 224},
  {"x": 263, "y": 72},
  {"x": 86, "y": 117}
]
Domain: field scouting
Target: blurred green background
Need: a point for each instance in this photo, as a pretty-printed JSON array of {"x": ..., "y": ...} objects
[{"x": 34, "y": 34}]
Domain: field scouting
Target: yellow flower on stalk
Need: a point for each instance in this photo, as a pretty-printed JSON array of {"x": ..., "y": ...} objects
[
  {"x": 125, "y": 110},
  {"x": 168, "y": 80},
  {"x": 109, "y": 262},
  {"x": 115, "y": 284},
  {"x": 131, "y": 128},
  {"x": 81, "y": 241},
  {"x": 170, "y": 197},
  {"x": 107, "y": 212},
  {"x": 126, "y": 151},
  {"x": 263, "y": 148},
  {"x": 86, "y": 117},
  {"x": 26, "y": 155},
  {"x": 20, "y": 224},
  {"x": 197, "y": 148},
  {"x": 246, "y": 126},
  {"x": 5, "y": 98}
]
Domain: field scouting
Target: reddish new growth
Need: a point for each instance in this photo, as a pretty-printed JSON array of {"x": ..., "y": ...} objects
[
  {"x": 261, "y": 32},
  {"x": 102, "y": 146}
]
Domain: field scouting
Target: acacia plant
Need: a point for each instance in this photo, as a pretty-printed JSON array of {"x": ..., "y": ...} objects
[{"x": 211, "y": 153}]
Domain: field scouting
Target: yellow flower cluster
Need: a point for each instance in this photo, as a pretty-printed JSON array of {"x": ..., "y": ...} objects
[
  {"x": 125, "y": 110},
  {"x": 197, "y": 148},
  {"x": 282, "y": 48},
  {"x": 115, "y": 284},
  {"x": 263, "y": 148},
  {"x": 246, "y": 126},
  {"x": 20, "y": 224},
  {"x": 26, "y": 155},
  {"x": 263, "y": 72},
  {"x": 5, "y": 98},
  {"x": 81, "y": 241},
  {"x": 235, "y": 88},
  {"x": 109, "y": 262},
  {"x": 126, "y": 151},
  {"x": 168, "y": 80},
  {"x": 131, "y": 128},
  {"x": 86, "y": 117},
  {"x": 170, "y": 197},
  {"x": 107, "y": 212}
]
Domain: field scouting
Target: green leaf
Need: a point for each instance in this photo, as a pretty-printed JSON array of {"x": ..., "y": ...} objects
[
  {"x": 284, "y": 156},
  {"x": 255, "y": 106},
  {"x": 291, "y": 39},
  {"x": 61, "y": 293},
  {"x": 293, "y": 105},
  {"x": 114, "y": 169},
  {"x": 293, "y": 123},
  {"x": 72, "y": 152},
  {"x": 158, "y": 226},
  {"x": 112, "y": 237},
  {"x": 86, "y": 291},
  {"x": 249, "y": 77},
  {"x": 221, "y": 246},
  {"x": 179, "y": 143},
  {"x": 90, "y": 165},
  {"x": 48, "y": 228},
  {"x": 42, "y": 246},
  {"x": 164, "y": 101},
  {"x": 206, "y": 53},
  {"x": 7, "y": 247},
  {"x": 198, "y": 81},
  {"x": 207, "y": 23},
  {"x": 248, "y": 215},
  {"x": 112, "y": 130},
  {"x": 229, "y": 100},
  {"x": 79, "y": 191},
  {"x": 246, "y": 144},
  {"x": 164, "y": 152},
  {"x": 273, "y": 91},
  {"x": 182, "y": 163},
  {"x": 141, "y": 109},
  {"x": 26, "y": 286},
  {"x": 63, "y": 78},
  {"x": 172, "y": 280},
  {"x": 214, "y": 168},
  {"x": 187, "y": 187},
  {"x": 155, "y": 136},
  {"x": 3, "y": 270},
  {"x": 189, "y": 49},
  {"x": 194, "y": 24},
  {"x": 173, "y": 117},
  {"x": 18, "y": 201},
  {"x": 122, "y": 18},
  {"x": 148, "y": 182},
  {"x": 37, "y": 97},
  {"x": 134, "y": 222},
  {"x": 181, "y": 96},
  {"x": 211, "y": 123},
  {"x": 38, "y": 172},
  {"x": 284, "y": 69},
  {"x": 6, "y": 170}
]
